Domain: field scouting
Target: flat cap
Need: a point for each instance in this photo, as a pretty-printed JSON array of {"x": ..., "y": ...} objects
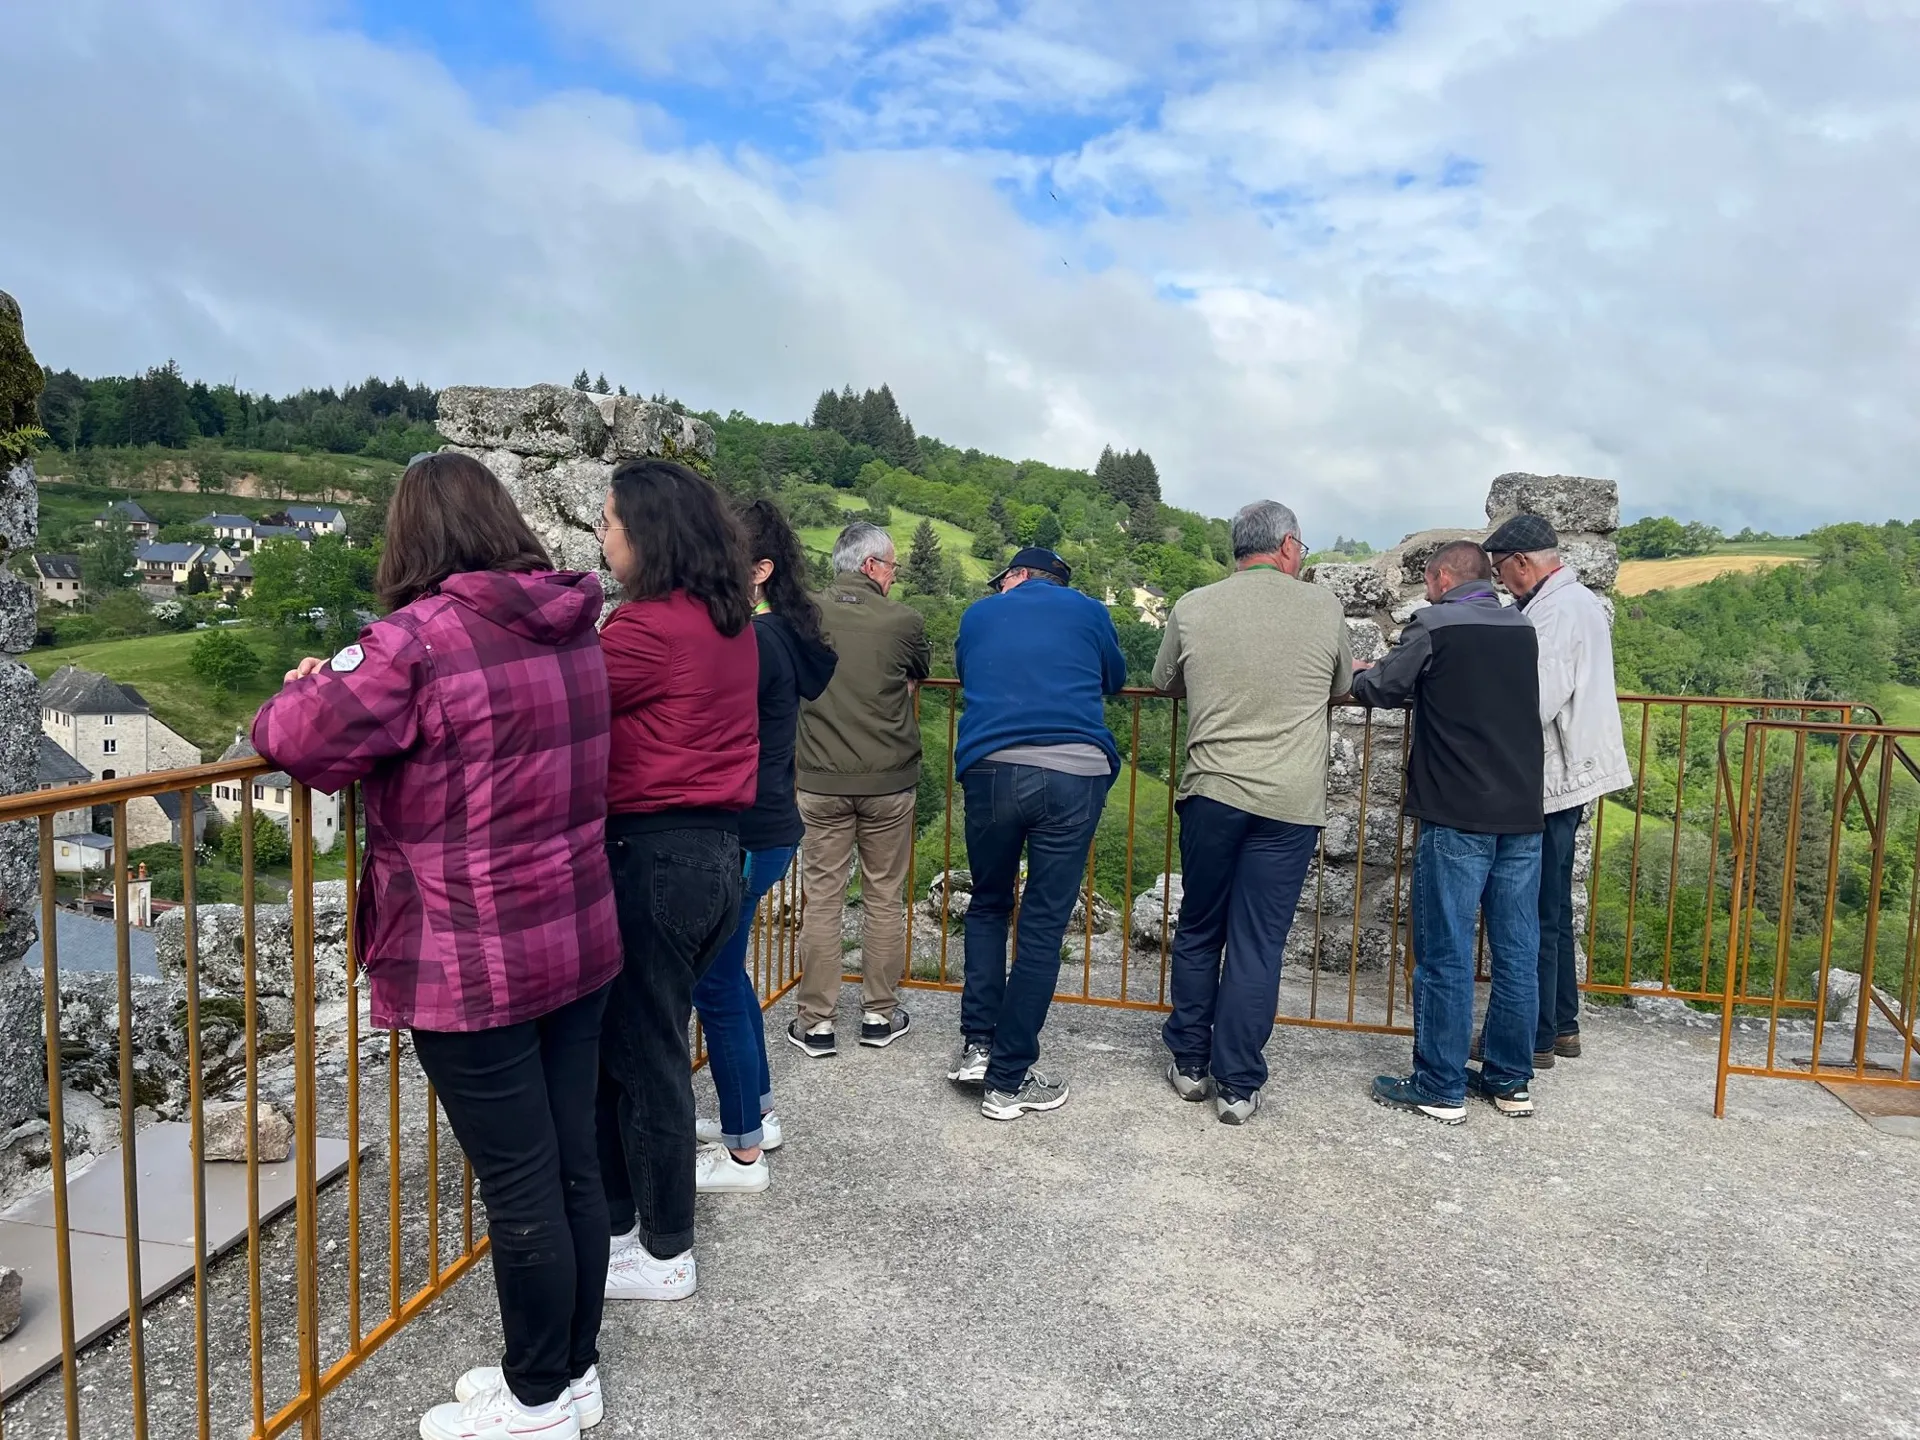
[{"x": 1522, "y": 535}]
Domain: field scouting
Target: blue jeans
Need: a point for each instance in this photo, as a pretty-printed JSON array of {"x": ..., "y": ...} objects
[
  {"x": 1241, "y": 876},
  {"x": 1457, "y": 874},
  {"x": 1053, "y": 816},
  {"x": 731, "y": 1017},
  {"x": 1559, "y": 977}
]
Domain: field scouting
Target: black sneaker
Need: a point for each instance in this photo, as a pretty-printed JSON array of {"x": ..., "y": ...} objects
[
  {"x": 1514, "y": 1101},
  {"x": 880, "y": 1031},
  {"x": 1401, "y": 1094},
  {"x": 817, "y": 1043}
]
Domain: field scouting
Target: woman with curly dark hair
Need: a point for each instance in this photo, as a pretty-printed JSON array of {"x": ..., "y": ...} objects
[
  {"x": 795, "y": 664},
  {"x": 682, "y": 665}
]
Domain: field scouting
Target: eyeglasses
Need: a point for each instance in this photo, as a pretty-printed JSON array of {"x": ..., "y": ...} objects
[
  {"x": 601, "y": 525},
  {"x": 893, "y": 564}
]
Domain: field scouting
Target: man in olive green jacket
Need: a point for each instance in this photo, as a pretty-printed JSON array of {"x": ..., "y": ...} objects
[{"x": 858, "y": 764}]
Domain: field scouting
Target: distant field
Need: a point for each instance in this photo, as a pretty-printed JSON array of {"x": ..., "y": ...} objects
[
  {"x": 156, "y": 666},
  {"x": 953, "y": 540},
  {"x": 1637, "y": 577}
]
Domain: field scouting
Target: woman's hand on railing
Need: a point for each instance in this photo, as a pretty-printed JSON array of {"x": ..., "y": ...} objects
[{"x": 305, "y": 668}]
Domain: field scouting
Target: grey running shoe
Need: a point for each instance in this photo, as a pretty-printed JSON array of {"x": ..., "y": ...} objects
[
  {"x": 1235, "y": 1109},
  {"x": 817, "y": 1043},
  {"x": 1189, "y": 1083},
  {"x": 970, "y": 1065},
  {"x": 880, "y": 1031},
  {"x": 1037, "y": 1092}
]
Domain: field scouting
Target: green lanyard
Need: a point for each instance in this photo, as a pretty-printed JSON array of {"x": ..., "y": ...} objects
[{"x": 761, "y": 607}]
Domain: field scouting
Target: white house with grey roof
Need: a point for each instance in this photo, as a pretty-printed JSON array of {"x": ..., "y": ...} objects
[
  {"x": 229, "y": 529},
  {"x": 128, "y": 513},
  {"x": 273, "y": 795},
  {"x": 320, "y": 519},
  {"x": 59, "y": 577}
]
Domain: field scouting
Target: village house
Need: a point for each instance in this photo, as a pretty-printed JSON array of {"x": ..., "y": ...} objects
[
  {"x": 238, "y": 580},
  {"x": 273, "y": 796},
  {"x": 228, "y": 529},
  {"x": 139, "y": 523},
  {"x": 59, "y": 577},
  {"x": 165, "y": 569},
  {"x": 110, "y": 730},
  {"x": 57, "y": 769},
  {"x": 320, "y": 519}
]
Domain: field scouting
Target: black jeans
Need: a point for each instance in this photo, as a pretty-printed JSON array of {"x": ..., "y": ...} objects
[
  {"x": 520, "y": 1100},
  {"x": 1242, "y": 874},
  {"x": 678, "y": 893},
  {"x": 1559, "y": 978},
  {"x": 1052, "y": 816}
]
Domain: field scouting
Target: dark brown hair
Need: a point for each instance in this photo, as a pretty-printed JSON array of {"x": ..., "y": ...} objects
[
  {"x": 770, "y": 537},
  {"x": 1459, "y": 561},
  {"x": 683, "y": 538},
  {"x": 450, "y": 514}
]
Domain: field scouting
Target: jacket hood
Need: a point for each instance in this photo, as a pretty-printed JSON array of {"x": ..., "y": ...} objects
[
  {"x": 548, "y": 607},
  {"x": 813, "y": 662}
]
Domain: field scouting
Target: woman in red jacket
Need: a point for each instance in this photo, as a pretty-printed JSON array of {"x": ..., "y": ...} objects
[
  {"x": 476, "y": 713},
  {"x": 684, "y": 670}
]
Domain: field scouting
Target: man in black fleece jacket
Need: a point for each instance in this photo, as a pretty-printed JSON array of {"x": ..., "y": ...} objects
[{"x": 1470, "y": 667}]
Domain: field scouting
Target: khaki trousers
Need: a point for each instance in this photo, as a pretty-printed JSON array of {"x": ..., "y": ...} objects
[{"x": 880, "y": 829}]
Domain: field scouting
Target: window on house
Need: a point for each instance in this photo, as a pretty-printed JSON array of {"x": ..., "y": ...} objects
[
  {"x": 106, "y": 774},
  {"x": 259, "y": 792},
  {"x": 106, "y": 719},
  {"x": 109, "y": 747},
  {"x": 279, "y": 797}
]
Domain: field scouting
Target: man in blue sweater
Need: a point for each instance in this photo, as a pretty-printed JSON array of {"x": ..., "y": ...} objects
[{"x": 1036, "y": 760}]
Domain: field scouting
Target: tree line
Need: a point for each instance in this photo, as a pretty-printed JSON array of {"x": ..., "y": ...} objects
[{"x": 385, "y": 419}]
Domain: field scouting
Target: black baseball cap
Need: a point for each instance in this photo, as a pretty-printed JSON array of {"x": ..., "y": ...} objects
[
  {"x": 1035, "y": 557},
  {"x": 1522, "y": 535}
]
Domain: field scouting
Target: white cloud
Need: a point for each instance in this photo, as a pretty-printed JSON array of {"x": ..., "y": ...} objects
[{"x": 1685, "y": 260}]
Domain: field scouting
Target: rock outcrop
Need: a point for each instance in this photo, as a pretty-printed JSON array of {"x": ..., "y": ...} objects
[
  {"x": 22, "y": 1049},
  {"x": 555, "y": 449}
]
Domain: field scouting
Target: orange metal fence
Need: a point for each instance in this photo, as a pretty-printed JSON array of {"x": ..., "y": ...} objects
[{"x": 1687, "y": 881}]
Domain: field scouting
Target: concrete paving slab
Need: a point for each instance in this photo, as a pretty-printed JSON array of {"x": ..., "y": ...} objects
[{"x": 97, "y": 1221}]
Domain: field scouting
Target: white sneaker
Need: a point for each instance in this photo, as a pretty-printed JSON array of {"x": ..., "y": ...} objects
[
  {"x": 495, "y": 1415},
  {"x": 716, "y": 1172},
  {"x": 588, "y": 1406},
  {"x": 633, "y": 1274},
  {"x": 708, "y": 1132}
]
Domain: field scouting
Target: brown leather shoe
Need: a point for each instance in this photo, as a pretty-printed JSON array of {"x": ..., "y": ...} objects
[
  {"x": 1543, "y": 1059},
  {"x": 1567, "y": 1046}
]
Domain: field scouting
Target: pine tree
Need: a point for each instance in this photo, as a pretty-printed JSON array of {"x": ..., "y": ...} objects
[
  {"x": 924, "y": 573},
  {"x": 827, "y": 413},
  {"x": 600, "y": 386},
  {"x": 1107, "y": 472},
  {"x": 1047, "y": 533},
  {"x": 582, "y": 381},
  {"x": 622, "y": 390},
  {"x": 997, "y": 513}
]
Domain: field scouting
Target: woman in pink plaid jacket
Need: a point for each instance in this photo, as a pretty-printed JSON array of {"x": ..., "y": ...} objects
[{"x": 476, "y": 715}]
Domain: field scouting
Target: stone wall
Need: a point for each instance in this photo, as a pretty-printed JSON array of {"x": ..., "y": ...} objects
[
  {"x": 1380, "y": 596},
  {"x": 555, "y": 449},
  {"x": 22, "y": 1051}
]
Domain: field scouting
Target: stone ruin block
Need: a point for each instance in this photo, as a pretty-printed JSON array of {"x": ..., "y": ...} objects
[
  {"x": 1597, "y": 561},
  {"x": 1367, "y": 640},
  {"x": 1570, "y": 503},
  {"x": 1361, "y": 589}
]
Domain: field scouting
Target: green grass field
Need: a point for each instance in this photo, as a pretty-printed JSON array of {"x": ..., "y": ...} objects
[
  {"x": 157, "y": 666},
  {"x": 1901, "y": 706},
  {"x": 1804, "y": 549},
  {"x": 954, "y": 541}
]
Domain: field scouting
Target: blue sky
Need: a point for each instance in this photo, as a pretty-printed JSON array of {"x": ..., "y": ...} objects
[{"x": 1358, "y": 256}]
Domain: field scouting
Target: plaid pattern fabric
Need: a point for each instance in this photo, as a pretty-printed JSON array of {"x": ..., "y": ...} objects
[{"x": 478, "y": 719}]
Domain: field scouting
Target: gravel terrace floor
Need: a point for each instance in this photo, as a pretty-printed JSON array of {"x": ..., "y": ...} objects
[{"x": 1622, "y": 1265}]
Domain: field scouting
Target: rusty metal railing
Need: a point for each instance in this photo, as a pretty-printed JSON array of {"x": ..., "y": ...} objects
[
  {"x": 335, "y": 1209},
  {"x": 1789, "y": 872}
]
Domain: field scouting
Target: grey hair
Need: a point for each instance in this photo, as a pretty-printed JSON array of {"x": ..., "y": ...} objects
[
  {"x": 859, "y": 543},
  {"x": 1262, "y": 528}
]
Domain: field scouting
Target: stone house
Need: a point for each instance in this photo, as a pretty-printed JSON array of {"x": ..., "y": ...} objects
[
  {"x": 165, "y": 569},
  {"x": 273, "y": 796},
  {"x": 108, "y": 727},
  {"x": 59, "y": 577},
  {"x": 139, "y": 523}
]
